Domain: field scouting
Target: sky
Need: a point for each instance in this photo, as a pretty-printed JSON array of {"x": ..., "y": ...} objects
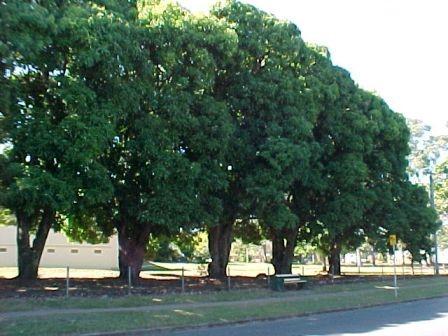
[{"x": 396, "y": 48}]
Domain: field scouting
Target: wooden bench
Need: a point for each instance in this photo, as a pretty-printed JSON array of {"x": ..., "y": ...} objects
[{"x": 279, "y": 281}]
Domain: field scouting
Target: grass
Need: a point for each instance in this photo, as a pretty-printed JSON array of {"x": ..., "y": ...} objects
[
  {"x": 8, "y": 305},
  {"x": 11, "y": 305},
  {"x": 240, "y": 306}
]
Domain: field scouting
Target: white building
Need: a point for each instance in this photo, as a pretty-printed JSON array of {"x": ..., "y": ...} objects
[{"x": 60, "y": 252}]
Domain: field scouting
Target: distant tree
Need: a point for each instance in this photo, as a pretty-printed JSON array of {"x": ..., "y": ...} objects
[
  {"x": 181, "y": 247},
  {"x": 6, "y": 218},
  {"x": 441, "y": 188},
  {"x": 443, "y": 237},
  {"x": 428, "y": 155},
  {"x": 427, "y": 149}
]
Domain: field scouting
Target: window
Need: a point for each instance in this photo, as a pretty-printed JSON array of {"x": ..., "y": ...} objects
[
  {"x": 3, "y": 249},
  {"x": 50, "y": 250},
  {"x": 74, "y": 251},
  {"x": 97, "y": 251}
]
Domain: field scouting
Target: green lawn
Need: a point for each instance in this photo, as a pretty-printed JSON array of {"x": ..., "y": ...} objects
[
  {"x": 236, "y": 306},
  {"x": 9, "y": 305}
]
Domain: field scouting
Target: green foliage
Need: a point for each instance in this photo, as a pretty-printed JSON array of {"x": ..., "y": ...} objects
[
  {"x": 6, "y": 218},
  {"x": 441, "y": 188},
  {"x": 442, "y": 237},
  {"x": 413, "y": 220},
  {"x": 265, "y": 91},
  {"x": 184, "y": 246},
  {"x": 55, "y": 122},
  {"x": 142, "y": 118}
]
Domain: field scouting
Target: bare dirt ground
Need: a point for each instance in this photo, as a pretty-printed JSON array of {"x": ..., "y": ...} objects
[
  {"x": 113, "y": 287},
  {"x": 56, "y": 287}
]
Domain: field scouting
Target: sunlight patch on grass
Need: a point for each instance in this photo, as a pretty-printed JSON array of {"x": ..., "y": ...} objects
[{"x": 185, "y": 312}]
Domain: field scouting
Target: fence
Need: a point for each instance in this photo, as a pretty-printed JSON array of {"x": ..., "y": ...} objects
[{"x": 186, "y": 277}]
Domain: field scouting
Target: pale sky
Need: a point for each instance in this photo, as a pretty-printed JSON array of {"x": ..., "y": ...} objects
[{"x": 397, "y": 48}]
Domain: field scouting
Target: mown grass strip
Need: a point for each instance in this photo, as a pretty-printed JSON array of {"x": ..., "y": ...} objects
[
  {"x": 24, "y": 304},
  {"x": 354, "y": 296}
]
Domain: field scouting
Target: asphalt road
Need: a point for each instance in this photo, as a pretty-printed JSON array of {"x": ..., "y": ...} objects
[{"x": 419, "y": 318}]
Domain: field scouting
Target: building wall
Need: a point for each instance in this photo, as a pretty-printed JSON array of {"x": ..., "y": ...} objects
[
  {"x": 59, "y": 252},
  {"x": 8, "y": 247}
]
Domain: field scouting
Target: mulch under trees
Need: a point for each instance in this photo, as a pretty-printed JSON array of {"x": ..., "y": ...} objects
[{"x": 114, "y": 287}]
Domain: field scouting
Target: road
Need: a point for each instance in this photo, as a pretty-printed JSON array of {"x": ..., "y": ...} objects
[{"x": 422, "y": 318}]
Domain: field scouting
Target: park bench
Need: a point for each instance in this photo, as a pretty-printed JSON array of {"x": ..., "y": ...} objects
[{"x": 279, "y": 281}]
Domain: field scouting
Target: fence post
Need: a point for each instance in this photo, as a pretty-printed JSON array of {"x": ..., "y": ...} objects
[
  {"x": 129, "y": 280},
  {"x": 269, "y": 277},
  {"x": 395, "y": 276},
  {"x": 183, "y": 281},
  {"x": 228, "y": 278},
  {"x": 67, "y": 282}
]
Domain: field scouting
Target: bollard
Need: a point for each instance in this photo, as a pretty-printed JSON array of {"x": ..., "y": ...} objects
[
  {"x": 382, "y": 270},
  {"x": 67, "y": 282},
  {"x": 228, "y": 278},
  {"x": 129, "y": 280},
  {"x": 183, "y": 280},
  {"x": 303, "y": 270}
]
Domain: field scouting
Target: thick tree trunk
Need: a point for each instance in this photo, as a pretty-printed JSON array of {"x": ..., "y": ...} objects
[
  {"x": 219, "y": 244},
  {"x": 283, "y": 244},
  {"x": 131, "y": 252},
  {"x": 335, "y": 259},
  {"x": 29, "y": 255}
]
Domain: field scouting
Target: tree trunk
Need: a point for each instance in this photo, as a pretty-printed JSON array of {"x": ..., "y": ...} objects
[
  {"x": 28, "y": 256},
  {"x": 219, "y": 244},
  {"x": 335, "y": 259},
  {"x": 131, "y": 252},
  {"x": 283, "y": 244}
]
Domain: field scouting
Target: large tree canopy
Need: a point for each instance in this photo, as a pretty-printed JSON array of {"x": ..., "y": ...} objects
[
  {"x": 54, "y": 120},
  {"x": 142, "y": 119},
  {"x": 267, "y": 97},
  {"x": 165, "y": 162}
]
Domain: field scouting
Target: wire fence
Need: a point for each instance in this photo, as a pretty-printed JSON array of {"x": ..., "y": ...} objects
[{"x": 180, "y": 277}]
